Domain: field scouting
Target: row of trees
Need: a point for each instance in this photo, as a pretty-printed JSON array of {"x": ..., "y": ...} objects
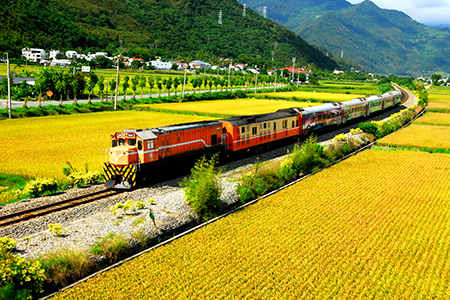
[{"x": 75, "y": 85}]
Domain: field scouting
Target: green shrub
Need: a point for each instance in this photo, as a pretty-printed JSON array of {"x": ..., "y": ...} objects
[
  {"x": 66, "y": 266},
  {"x": 203, "y": 188},
  {"x": 37, "y": 188},
  {"x": 78, "y": 178},
  {"x": 112, "y": 246},
  {"x": 57, "y": 229},
  {"x": 19, "y": 277},
  {"x": 310, "y": 157},
  {"x": 372, "y": 128}
]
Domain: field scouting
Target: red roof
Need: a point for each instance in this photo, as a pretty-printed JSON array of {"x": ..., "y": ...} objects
[{"x": 290, "y": 70}]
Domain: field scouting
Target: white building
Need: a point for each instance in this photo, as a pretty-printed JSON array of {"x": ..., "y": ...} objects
[
  {"x": 60, "y": 62},
  {"x": 53, "y": 54},
  {"x": 161, "y": 65},
  {"x": 71, "y": 54},
  {"x": 34, "y": 54}
]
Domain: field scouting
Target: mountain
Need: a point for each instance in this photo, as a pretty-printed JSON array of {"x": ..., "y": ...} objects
[
  {"x": 173, "y": 28},
  {"x": 380, "y": 40}
]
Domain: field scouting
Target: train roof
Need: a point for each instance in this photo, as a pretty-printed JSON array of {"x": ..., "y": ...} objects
[
  {"x": 321, "y": 108},
  {"x": 251, "y": 119},
  {"x": 150, "y": 133},
  {"x": 353, "y": 102}
]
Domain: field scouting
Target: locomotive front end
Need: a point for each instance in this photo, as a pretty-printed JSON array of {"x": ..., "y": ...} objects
[{"x": 123, "y": 161}]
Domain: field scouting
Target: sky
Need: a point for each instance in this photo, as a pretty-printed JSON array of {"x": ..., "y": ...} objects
[{"x": 434, "y": 13}]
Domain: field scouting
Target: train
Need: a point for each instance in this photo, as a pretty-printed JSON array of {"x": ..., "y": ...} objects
[{"x": 135, "y": 154}]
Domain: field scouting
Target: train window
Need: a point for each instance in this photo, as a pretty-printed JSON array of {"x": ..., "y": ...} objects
[
  {"x": 178, "y": 140},
  {"x": 268, "y": 125},
  {"x": 265, "y": 125},
  {"x": 274, "y": 126},
  {"x": 319, "y": 118},
  {"x": 248, "y": 129},
  {"x": 254, "y": 130},
  {"x": 260, "y": 126},
  {"x": 139, "y": 145},
  {"x": 121, "y": 142},
  {"x": 114, "y": 143},
  {"x": 293, "y": 124},
  {"x": 329, "y": 116},
  {"x": 296, "y": 123},
  {"x": 284, "y": 124},
  {"x": 132, "y": 142},
  {"x": 243, "y": 130}
]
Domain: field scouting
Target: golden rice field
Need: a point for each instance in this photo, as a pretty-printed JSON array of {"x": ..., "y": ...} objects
[
  {"x": 418, "y": 136},
  {"x": 41, "y": 146},
  {"x": 328, "y": 97},
  {"x": 431, "y": 118},
  {"x": 230, "y": 107},
  {"x": 376, "y": 226}
]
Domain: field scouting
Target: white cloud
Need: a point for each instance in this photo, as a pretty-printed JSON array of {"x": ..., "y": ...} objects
[{"x": 434, "y": 12}]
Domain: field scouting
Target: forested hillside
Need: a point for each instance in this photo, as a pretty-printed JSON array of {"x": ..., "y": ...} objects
[
  {"x": 173, "y": 28},
  {"x": 380, "y": 40}
]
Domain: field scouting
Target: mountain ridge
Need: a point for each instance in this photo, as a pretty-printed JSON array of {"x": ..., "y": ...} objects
[{"x": 380, "y": 40}]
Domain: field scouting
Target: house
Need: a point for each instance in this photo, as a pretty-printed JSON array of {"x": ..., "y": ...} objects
[
  {"x": 71, "y": 54},
  {"x": 198, "y": 64},
  {"x": 161, "y": 65},
  {"x": 290, "y": 71},
  {"x": 239, "y": 67},
  {"x": 34, "y": 54},
  {"x": 130, "y": 61}
]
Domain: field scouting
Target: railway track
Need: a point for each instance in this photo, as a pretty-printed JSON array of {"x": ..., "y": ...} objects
[{"x": 24, "y": 215}]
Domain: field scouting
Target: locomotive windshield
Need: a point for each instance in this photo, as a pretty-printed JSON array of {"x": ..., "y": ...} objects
[
  {"x": 114, "y": 143},
  {"x": 132, "y": 142},
  {"x": 121, "y": 142}
]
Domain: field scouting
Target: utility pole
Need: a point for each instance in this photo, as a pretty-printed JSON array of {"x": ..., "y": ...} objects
[
  {"x": 275, "y": 87},
  {"x": 184, "y": 81},
  {"x": 293, "y": 68},
  {"x": 106, "y": 88},
  {"x": 229, "y": 74},
  {"x": 256, "y": 84},
  {"x": 9, "y": 87},
  {"x": 117, "y": 83}
]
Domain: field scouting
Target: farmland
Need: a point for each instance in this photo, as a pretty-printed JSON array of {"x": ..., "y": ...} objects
[
  {"x": 431, "y": 118},
  {"x": 356, "y": 235},
  {"x": 41, "y": 146},
  {"x": 229, "y": 107},
  {"x": 419, "y": 137},
  {"x": 312, "y": 96}
]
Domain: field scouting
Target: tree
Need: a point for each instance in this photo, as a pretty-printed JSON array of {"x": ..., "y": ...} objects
[
  {"x": 112, "y": 85},
  {"x": 159, "y": 85},
  {"x": 174, "y": 66},
  {"x": 176, "y": 83},
  {"x": 169, "y": 83},
  {"x": 151, "y": 84},
  {"x": 78, "y": 85},
  {"x": 67, "y": 81},
  {"x": 435, "y": 78},
  {"x": 101, "y": 86},
  {"x": 142, "y": 84},
  {"x": 134, "y": 84},
  {"x": 42, "y": 82},
  {"x": 125, "y": 86},
  {"x": 103, "y": 62},
  {"x": 136, "y": 64},
  {"x": 93, "y": 78}
]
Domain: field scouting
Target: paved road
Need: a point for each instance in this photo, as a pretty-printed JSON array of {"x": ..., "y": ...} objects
[{"x": 14, "y": 104}]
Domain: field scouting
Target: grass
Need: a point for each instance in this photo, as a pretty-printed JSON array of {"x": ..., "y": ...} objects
[
  {"x": 41, "y": 146},
  {"x": 229, "y": 107},
  {"x": 355, "y": 235},
  {"x": 308, "y": 96}
]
